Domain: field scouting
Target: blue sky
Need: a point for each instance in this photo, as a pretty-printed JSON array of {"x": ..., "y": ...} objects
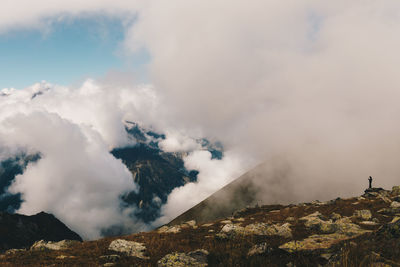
[{"x": 68, "y": 52}]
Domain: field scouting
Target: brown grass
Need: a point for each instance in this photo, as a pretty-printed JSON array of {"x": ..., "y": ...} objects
[{"x": 233, "y": 252}]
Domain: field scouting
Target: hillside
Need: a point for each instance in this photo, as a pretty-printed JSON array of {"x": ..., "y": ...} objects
[
  {"x": 358, "y": 231},
  {"x": 20, "y": 231}
]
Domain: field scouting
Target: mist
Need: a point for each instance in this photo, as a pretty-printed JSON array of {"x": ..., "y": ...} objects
[{"x": 306, "y": 86}]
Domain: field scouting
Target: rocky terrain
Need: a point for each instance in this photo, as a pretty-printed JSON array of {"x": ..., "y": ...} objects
[{"x": 358, "y": 231}]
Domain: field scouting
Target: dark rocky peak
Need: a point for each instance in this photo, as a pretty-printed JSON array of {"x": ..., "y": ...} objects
[{"x": 21, "y": 231}]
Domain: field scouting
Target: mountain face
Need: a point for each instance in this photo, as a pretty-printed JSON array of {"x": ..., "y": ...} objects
[
  {"x": 20, "y": 231},
  {"x": 8, "y": 170},
  {"x": 155, "y": 171}
]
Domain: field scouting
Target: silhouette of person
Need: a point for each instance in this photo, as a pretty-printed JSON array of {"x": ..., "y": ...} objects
[{"x": 370, "y": 182}]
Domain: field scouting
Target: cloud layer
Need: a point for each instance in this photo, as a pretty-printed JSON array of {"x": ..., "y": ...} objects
[{"x": 304, "y": 84}]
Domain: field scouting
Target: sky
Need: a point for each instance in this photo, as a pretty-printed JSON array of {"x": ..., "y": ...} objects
[
  {"x": 66, "y": 52},
  {"x": 309, "y": 88}
]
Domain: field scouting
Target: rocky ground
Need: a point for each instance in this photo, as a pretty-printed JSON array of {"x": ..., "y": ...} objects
[{"x": 359, "y": 231}]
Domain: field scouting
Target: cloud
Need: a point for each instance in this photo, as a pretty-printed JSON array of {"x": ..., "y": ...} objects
[
  {"x": 73, "y": 129},
  {"x": 312, "y": 85},
  {"x": 213, "y": 174},
  {"x": 303, "y": 84}
]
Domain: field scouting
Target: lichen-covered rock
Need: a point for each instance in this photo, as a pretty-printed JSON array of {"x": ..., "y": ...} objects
[
  {"x": 258, "y": 229},
  {"x": 346, "y": 227},
  {"x": 314, "y": 242},
  {"x": 232, "y": 229},
  {"x": 196, "y": 258},
  {"x": 279, "y": 230},
  {"x": 335, "y": 216},
  {"x": 169, "y": 229},
  {"x": 396, "y": 190},
  {"x": 343, "y": 229},
  {"x": 363, "y": 214},
  {"x": 129, "y": 248},
  {"x": 49, "y": 245},
  {"x": 395, "y": 205},
  {"x": 259, "y": 249},
  {"x": 189, "y": 224},
  {"x": 314, "y": 221}
]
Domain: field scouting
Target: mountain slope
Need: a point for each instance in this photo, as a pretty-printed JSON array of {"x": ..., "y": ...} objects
[
  {"x": 20, "y": 231},
  {"x": 359, "y": 231},
  {"x": 259, "y": 185}
]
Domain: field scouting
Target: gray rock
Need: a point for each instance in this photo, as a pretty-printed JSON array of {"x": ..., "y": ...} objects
[
  {"x": 169, "y": 229},
  {"x": 129, "y": 248},
  {"x": 196, "y": 258},
  {"x": 363, "y": 214},
  {"x": 259, "y": 249},
  {"x": 258, "y": 229},
  {"x": 395, "y": 205},
  {"x": 49, "y": 245},
  {"x": 396, "y": 190}
]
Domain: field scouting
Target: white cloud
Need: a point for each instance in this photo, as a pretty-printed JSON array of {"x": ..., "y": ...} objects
[
  {"x": 313, "y": 84},
  {"x": 76, "y": 179},
  {"x": 213, "y": 174}
]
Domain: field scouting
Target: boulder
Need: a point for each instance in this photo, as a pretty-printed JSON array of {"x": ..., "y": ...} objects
[
  {"x": 314, "y": 221},
  {"x": 396, "y": 190},
  {"x": 189, "y": 224},
  {"x": 346, "y": 227},
  {"x": 363, "y": 214},
  {"x": 395, "y": 205},
  {"x": 258, "y": 229},
  {"x": 259, "y": 249},
  {"x": 196, "y": 258},
  {"x": 232, "y": 229},
  {"x": 129, "y": 248},
  {"x": 50, "y": 245},
  {"x": 320, "y": 242},
  {"x": 169, "y": 229}
]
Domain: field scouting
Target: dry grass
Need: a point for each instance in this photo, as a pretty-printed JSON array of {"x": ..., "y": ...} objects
[{"x": 233, "y": 252}]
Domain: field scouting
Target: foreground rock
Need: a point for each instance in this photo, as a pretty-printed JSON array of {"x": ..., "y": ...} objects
[
  {"x": 363, "y": 214},
  {"x": 332, "y": 232},
  {"x": 20, "y": 231},
  {"x": 129, "y": 248},
  {"x": 259, "y": 249},
  {"x": 197, "y": 258},
  {"x": 50, "y": 245},
  {"x": 257, "y": 229}
]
